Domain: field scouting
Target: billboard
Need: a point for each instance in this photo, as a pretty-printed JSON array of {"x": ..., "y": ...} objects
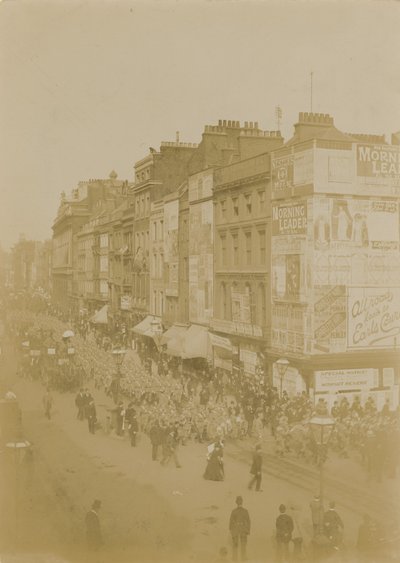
[
  {"x": 289, "y": 219},
  {"x": 346, "y": 379},
  {"x": 287, "y": 277},
  {"x": 373, "y": 319},
  {"x": 329, "y": 319},
  {"x": 282, "y": 172},
  {"x": 378, "y": 161},
  {"x": 358, "y": 223}
]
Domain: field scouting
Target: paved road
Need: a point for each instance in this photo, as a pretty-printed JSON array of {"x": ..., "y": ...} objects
[{"x": 149, "y": 513}]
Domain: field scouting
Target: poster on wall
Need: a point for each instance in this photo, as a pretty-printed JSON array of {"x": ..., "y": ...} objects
[
  {"x": 346, "y": 379},
  {"x": 286, "y": 277},
  {"x": 329, "y": 319},
  {"x": 282, "y": 173},
  {"x": 378, "y": 161},
  {"x": 289, "y": 219},
  {"x": 373, "y": 318}
]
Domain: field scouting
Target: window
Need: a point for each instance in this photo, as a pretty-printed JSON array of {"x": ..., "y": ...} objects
[
  {"x": 103, "y": 263},
  {"x": 161, "y": 230},
  {"x": 103, "y": 241},
  {"x": 161, "y": 302},
  {"x": 155, "y": 230},
  {"x": 147, "y": 211},
  {"x": 247, "y": 199},
  {"x": 261, "y": 201},
  {"x": 262, "y": 247},
  {"x": 235, "y": 249},
  {"x": 223, "y": 208},
  {"x": 248, "y": 248},
  {"x": 235, "y": 206},
  {"x": 223, "y": 249},
  {"x": 252, "y": 305}
]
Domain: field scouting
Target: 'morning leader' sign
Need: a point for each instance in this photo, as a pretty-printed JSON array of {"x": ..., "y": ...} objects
[
  {"x": 378, "y": 161},
  {"x": 289, "y": 219},
  {"x": 373, "y": 317}
]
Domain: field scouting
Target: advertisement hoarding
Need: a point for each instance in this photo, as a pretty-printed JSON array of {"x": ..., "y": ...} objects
[{"x": 373, "y": 317}]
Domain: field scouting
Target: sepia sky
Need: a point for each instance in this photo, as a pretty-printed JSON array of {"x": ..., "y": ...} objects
[{"x": 87, "y": 87}]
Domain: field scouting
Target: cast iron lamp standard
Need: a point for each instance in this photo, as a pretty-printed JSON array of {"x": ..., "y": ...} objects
[
  {"x": 118, "y": 356},
  {"x": 282, "y": 365},
  {"x": 321, "y": 427}
]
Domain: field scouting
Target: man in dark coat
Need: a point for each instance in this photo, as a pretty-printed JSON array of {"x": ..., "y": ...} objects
[
  {"x": 91, "y": 416},
  {"x": 93, "y": 530},
  {"x": 156, "y": 438},
  {"x": 284, "y": 530},
  {"x": 133, "y": 426},
  {"x": 256, "y": 469},
  {"x": 239, "y": 527},
  {"x": 333, "y": 525}
]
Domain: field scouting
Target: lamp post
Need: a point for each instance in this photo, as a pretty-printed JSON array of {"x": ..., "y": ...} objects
[
  {"x": 17, "y": 446},
  {"x": 321, "y": 427},
  {"x": 282, "y": 365}
]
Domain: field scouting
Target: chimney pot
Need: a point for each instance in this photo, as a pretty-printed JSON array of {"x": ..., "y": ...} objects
[
  {"x": 256, "y": 124},
  {"x": 229, "y": 123},
  {"x": 220, "y": 122},
  {"x": 224, "y": 123}
]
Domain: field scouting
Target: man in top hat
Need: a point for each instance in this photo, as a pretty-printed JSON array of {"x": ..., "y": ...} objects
[
  {"x": 239, "y": 527},
  {"x": 133, "y": 427},
  {"x": 333, "y": 525},
  {"x": 93, "y": 531}
]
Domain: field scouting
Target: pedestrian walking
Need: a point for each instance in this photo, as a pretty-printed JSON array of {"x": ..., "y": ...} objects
[
  {"x": 317, "y": 512},
  {"x": 80, "y": 402},
  {"x": 256, "y": 469},
  {"x": 239, "y": 527},
  {"x": 93, "y": 531},
  {"x": 284, "y": 530},
  {"x": 156, "y": 439},
  {"x": 171, "y": 447},
  {"x": 47, "y": 403},
  {"x": 91, "y": 416},
  {"x": 131, "y": 420},
  {"x": 333, "y": 526}
]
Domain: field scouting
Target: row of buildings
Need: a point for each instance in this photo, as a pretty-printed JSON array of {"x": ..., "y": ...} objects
[{"x": 245, "y": 249}]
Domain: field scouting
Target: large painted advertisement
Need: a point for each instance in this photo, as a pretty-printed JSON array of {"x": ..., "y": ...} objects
[
  {"x": 378, "y": 161},
  {"x": 329, "y": 319},
  {"x": 171, "y": 250},
  {"x": 291, "y": 170},
  {"x": 373, "y": 319},
  {"x": 289, "y": 219},
  {"x": 201, "y": 259}
]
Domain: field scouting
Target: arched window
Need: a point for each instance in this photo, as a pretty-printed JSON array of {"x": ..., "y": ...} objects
[
  {"x": 251, "y": 303},
  {"x": 224, "y": 301}
]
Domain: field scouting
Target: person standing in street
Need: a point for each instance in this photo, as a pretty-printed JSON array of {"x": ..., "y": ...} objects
[
  {"x": 171, "y": 447},
  {"x": 156, "y": 439},
  {"x": 239, "y": 527},
  {"x": 80, "y": 402},
  {"x": 133, "y": 427},
  {"x": 284, "y": 530},
  {"x": 256, "y": 469},
  {"x": 317, "y": 512},
  {"x": 333, "y": 526},
  {"x": 90, "y": 412},
  {"x": 93, "y": 531},
  {"x": 120, "y": 413},
  {"x": 47, "y": 403}
]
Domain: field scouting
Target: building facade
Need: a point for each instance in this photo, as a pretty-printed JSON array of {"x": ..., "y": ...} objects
[{"x": 336, "y": 262}]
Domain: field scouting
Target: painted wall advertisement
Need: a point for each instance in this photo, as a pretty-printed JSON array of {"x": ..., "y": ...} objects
[
  {"x": 287, "y": 277},
  {"x": 290, "y": 170},
  {"x": 357, "y": 223},
  {"x": 373, "y": 319},
  {"x": 329, "y": 319},
  {"x": 171, "y": 252},
  {"x": 289, "y": 219},
  {"x": 346, "y": 379},
  {"x": 282, "y": 173},
  {"x": 378, "y": 161}
]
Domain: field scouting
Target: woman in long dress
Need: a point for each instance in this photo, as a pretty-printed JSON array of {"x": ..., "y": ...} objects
[{"x": 215, "y": 466}]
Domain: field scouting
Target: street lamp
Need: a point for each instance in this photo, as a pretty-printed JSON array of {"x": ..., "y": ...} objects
[
  {"x": 321, "y": 428},
  {"x": 282, "y": 365},
  {"x": 18, "y": 446}
]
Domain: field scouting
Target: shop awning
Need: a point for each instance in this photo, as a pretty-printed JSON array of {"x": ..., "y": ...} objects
[
  {"x": 191, "y": 343},
  {"x": 172, "y": 332},
  {"x": 148, "y": 326},
  {"x": 101, "y": 316}
]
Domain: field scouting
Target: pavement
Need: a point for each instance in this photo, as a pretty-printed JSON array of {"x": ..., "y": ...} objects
[{"x": 149, "y": 512}]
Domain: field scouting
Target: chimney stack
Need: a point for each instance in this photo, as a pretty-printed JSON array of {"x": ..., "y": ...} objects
[{"x": 177, "y": 136}]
